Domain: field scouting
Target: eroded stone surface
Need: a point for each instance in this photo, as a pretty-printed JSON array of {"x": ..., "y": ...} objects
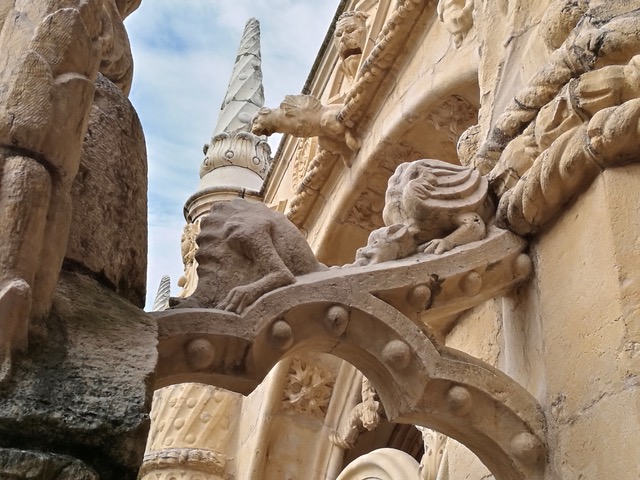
[{"x": 85, "y": 390}]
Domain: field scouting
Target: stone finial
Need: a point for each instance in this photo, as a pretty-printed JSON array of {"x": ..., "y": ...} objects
[
  {"x": 232, "y": 144},
  {"x": 161, "y": 301},
  {"x": 245, "y": 93}
]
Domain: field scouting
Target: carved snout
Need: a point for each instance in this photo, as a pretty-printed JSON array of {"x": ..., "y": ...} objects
[{"x": 261, "y": 125}]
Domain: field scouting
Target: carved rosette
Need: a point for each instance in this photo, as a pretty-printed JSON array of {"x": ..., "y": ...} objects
[
  {"x": 240, "y": 149},
  {"x": 191, "y": 430},
  {"x": 308, "y": 388}
]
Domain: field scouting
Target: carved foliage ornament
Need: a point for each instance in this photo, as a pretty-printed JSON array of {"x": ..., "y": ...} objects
[{"x": 308, "y": 388}]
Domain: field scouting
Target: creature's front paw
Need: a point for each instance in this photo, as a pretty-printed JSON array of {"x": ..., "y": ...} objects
[
  {"x": 238, "y": 299},
  {"x": 438, "y": 246}
]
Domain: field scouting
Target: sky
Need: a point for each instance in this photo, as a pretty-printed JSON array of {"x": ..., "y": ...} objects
[{"x": 184, "y": 51}]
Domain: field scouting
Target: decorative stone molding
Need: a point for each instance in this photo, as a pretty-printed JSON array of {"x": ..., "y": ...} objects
[
  {"x": 172, "y": 462},
  {"x": 419, "y": 381},
  {"x": 382, "y": 57},
  {"x": 239, "y": 149},
  {"x": 305, "y": 151},
  {"x": 364, "y": 416},
  {"x": 357, "y": 101},
  {"x": 188, "y": 248},
  {"x": 577, "y": 115},
  {"x": 308, "y": 388},
  {"x": 596, "y": 38}
]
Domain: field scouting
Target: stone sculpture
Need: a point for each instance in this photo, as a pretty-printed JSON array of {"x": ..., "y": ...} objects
[
  {"x": 576, "y": 122},
  {"x": 304, "y": 116},
  {"x": 364, "y": 416},
  {"x": 431, "y": 206},
  {"x": 457, "y": 17},
  {"x": 350, "y": 37},
  {"x": 46, "y": 97},
  {"x": 188, "y": 249},
  {"x": 244, "y": 251},
  {"x": 597, "y": 35}
]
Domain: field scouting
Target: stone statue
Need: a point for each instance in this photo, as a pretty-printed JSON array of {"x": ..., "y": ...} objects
[
  {"x": 304, "y": 116},
  {"x": 350, "y": 38},
  {"x": 432, "y": 206},
  {"x": 244, "y": 251},
  {"x": 364, "y": 416},
  {"x": 457, "y": 17},
  {"x": 46, "y": 97}
]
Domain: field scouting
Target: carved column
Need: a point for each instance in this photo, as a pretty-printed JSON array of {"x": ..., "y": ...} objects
[{"x": 193, "y": 433}]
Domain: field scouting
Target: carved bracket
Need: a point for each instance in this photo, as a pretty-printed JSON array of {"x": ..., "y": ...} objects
[{"x": 355, "y": 314}]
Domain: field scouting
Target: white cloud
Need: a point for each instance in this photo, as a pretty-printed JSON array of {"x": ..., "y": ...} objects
[{"x": 184, "y": 53}]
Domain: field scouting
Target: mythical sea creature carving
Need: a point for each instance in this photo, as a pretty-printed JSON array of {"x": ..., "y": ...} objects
[
  {"x": 305, "y": 116},
  {"x": 244, "y": 251},
  {"x": 431, "y": 206}
]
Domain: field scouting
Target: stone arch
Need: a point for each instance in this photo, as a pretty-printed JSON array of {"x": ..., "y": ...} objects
[{"x": 419, "y": 381}]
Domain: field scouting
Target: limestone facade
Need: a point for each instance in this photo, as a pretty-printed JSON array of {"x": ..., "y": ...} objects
[
  {"x": 401, "y": 293},
  {"x": 546, "y": 114}
]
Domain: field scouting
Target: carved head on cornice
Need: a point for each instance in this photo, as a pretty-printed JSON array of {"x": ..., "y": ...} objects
[
  {"x": 457, "y": 17},
  {"x": 351, "y": 33}
]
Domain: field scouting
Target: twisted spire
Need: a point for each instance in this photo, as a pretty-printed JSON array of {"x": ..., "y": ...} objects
[{"x": 245, "y": 93}]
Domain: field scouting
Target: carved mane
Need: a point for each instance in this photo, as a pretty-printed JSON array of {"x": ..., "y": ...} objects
[{"x": 301, "y": 102}]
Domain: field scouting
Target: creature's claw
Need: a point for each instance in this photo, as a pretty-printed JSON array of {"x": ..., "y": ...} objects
[
  {"x": 438, "y": 246},
  {"x": 238, "y": 299}
]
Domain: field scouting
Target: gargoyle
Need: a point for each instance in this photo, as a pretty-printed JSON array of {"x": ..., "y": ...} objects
[
  {"x": 246, "y": 250},
  {"x": 304, "y": 116},
  {"x": 431, "y": 206}
]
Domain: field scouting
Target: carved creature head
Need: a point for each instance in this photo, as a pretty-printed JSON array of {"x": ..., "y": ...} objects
[
  {"x": 295, "y": 114},
  {"x": 384, "y": 244},
  {"x": 351, "y": 33},
  {"x": 264, "y": 123}
]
